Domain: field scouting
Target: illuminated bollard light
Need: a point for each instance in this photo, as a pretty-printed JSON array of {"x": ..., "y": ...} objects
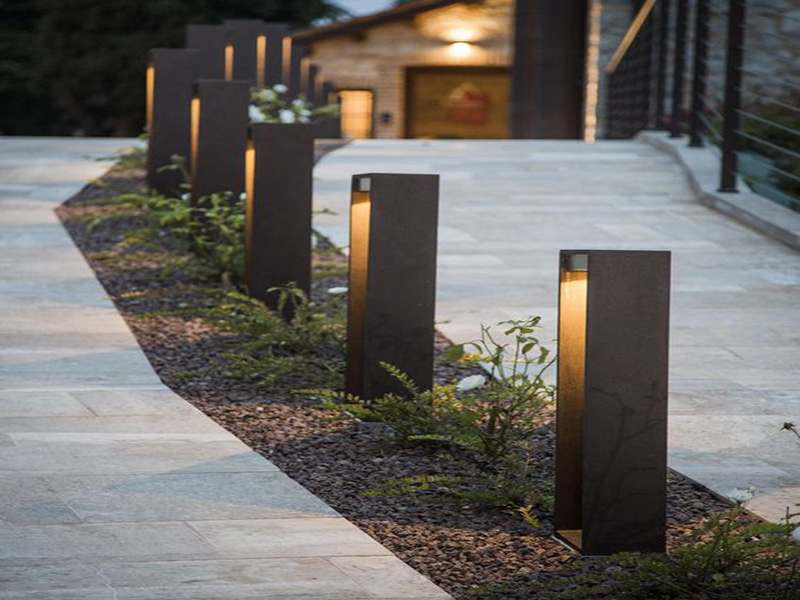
[
  {"x": 219, "y": 137},
  {"x": 392, "y": 290},
  {"x": 293, "y": 58},
  {"x": 171, "y": 74},
  {"x": 210, "y": 41},
  {"x": 280, "y": 161},
  {"x": 255, "y": 50},
  {"x": 611, "y": 422}
]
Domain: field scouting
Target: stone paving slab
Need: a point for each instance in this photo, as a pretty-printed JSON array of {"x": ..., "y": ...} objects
[
  {"x": 113, "y": 487},
  {"x": 508, "y": 207}
]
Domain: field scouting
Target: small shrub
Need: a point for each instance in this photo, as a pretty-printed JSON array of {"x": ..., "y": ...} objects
[{"x": 492, "y": 424}]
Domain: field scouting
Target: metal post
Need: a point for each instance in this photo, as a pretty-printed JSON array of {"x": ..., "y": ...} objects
[
  {"x": 280, "y": 159},
  {"x": 219, "y": 137},
  {"x": 171, "y": 74},
  {"x": 611, "y": 425},
  {"x": 733, "y": 95},
  {"x": 701, "y": 30},
  {"x": 661, "y": 64},
  {"x": 679, "y": 69},
  {"x": 393, "y": 227}
]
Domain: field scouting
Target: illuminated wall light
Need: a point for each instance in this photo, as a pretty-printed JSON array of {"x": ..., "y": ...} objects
[
  {"x": 392, "y": 286},
  {"x": 279, "y": 164},
  {"x": 611, "y": 414},
  {"x": 219, "y": 137},
  {"x": 229, "y": 52},
  {"x": 261, "y": 60},
  {"x": 461, "y": 35},
  {"x": 460, "y": 49},
  {"x": 169, "y": 77}
]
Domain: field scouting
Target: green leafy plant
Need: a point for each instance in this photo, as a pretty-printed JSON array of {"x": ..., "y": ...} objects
[
  {"x": 274, "y": 105},
  {"x": 309, "y": 347},
  {"x": 492, "y": 424}
]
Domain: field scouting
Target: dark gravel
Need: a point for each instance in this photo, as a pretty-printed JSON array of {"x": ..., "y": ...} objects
[{"x": 458, "y": 546}]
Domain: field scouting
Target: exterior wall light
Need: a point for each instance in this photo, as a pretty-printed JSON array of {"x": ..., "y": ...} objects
[
  {"x": 219, "y": 137},
  {"x": 279, "y": 164},
  {"x": 611, "y": 427},
  {"x": 171, "y": 73},
  {"x": 393, "y": 228},
  {"x": 459, "y": 49}
]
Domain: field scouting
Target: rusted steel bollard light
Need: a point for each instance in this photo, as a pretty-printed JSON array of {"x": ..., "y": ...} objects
[
  {"x": 219, "y": 137},
  {"x": 611, "y": 427},
  {"x": 280, "y": 160},
  {"x": 171, "y": 74},
  {"x": 393, "y": 226}
]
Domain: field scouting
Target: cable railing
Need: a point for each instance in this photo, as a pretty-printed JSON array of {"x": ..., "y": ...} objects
[{"x": 724, "y": 72}]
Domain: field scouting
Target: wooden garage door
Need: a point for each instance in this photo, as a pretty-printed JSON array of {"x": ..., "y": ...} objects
[{"x": 457, "y": 102}]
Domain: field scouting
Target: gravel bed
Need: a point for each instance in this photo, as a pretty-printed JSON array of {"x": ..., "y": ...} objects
[{"x": 464, "y": 549}]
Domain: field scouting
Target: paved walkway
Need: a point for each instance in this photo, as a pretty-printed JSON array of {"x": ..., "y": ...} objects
[
  {"x": 113, "y": 487},
  {"x": 508, "y": 207}
]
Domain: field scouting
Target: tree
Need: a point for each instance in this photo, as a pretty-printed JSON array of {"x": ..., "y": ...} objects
[{"x": 77, "y": 66}]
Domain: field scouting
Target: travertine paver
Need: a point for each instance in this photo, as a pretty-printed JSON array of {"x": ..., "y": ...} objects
[
  {"x": 507, "y": 207},
  {"x": 111, "y": 486}
]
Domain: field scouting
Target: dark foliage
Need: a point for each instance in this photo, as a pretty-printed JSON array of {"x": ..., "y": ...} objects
[{"x": 77, "y": 66}]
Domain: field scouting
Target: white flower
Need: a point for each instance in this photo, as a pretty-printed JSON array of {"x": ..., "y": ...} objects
[
  {"x": 185, "y": 197},
  {"x": 337, "y": 290},
  {"x": 280, "y": 88},
  {"x": 286, "y": 116},
  {"x": 740, "y": 496},
  {"x": 796, "y": 535},
  {"x": 304, "y": 119},
  {"x": 305, "y": 112},
  {"x": 256, "y": 116},
  {"x": 243, "y": 196},
  {"x": 470, "y": 383},
  {"x": 266, "y": 95},
  {"x": 297, "y": 102}
]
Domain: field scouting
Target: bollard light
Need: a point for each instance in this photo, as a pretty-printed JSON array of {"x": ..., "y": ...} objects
[
  {"x": 393, "y": 232},
  {"x": 219, "y": 137},
  {"x": 279, "y": 165},
  {"x": 210, "y": 41},
  {"x": 170, "y": 76},
  {"x": 256, "y": 50},
  {"x": 611, "y": 416},
  {"x": 293, "y": 56}
]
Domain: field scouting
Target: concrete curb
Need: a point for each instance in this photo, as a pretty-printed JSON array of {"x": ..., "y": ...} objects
[{"x": 702, "y": 169}]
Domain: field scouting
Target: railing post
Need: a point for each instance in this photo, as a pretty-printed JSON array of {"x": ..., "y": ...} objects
[
  {"x": 700, "y": 72},
  {"x": 661, "y": 64},
  {"x": 733, "y": 95},
  {"x": 679, "y": 68}
]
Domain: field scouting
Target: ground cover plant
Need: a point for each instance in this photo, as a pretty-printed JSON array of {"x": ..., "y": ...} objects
[{"x": 455, "y": 481}]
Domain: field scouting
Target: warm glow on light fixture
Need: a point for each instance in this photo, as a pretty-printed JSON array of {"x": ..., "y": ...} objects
[
  {"x": 261, "y": 59},
  {"x": 195, "y": 135},
  {"x": 572, "y": 388},
  {"x": 249, "y": 183},
  {"x": 459, "y": 49},
  {"x": 305, "y": 65},
  {"x": 360, "y": 211},
  {"x": 150, "y": 91},
  {"x": 461, "y": 35},
  {"x": 228, "y": 63},
  {"x": 286, "y": 46}
]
